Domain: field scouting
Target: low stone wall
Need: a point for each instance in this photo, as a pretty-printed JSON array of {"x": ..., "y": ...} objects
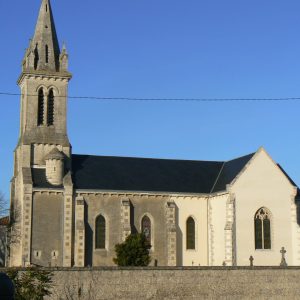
[{"x": 177, "y": 283}]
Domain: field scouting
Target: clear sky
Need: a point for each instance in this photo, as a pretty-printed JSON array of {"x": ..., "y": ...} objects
[{"x": 172, "y": 49}]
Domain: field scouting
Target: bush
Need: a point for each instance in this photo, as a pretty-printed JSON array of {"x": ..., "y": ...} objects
[
  {"x": 32, "y": 284},
  {"x": 133, "y": 252}
]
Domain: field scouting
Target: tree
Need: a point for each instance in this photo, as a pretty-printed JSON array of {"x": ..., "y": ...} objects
[
  {"x": 4, "y": 211},
  {"x": 10, "y": 233},
  {"x": 133, "y": 252},
  {"x": 4, "y": 222},
  {"x": 31, "y": 284}
]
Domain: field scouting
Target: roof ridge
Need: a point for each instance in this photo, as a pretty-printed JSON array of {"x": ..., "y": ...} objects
[{"x": 152, "y": 158}]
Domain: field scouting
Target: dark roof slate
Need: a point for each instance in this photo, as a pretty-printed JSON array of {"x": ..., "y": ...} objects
[
  {"x": 142, "y": 174},
  {"x": 157, "y": 175},
  {"x": 229, "y": 171}
]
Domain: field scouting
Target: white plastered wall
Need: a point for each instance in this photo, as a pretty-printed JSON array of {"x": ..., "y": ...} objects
[
  {"x": 195, "y": 207},
  {"x": 262, "y": 184}
]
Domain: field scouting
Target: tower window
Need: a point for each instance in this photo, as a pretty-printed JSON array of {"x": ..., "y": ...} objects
[
  {"x": 47, "y": 53},
  {"x": 50, "y": 114},
  {"x": 41, "y": 107},
  {"x": 100, "y": 232},
  {"x": 262, "y": 226},
  {"x": 190, "y": 234},
  {"x": 46, "y": 7}
]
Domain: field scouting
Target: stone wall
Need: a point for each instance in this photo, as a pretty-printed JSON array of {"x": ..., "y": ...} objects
[{"x": 177, "y": 283}]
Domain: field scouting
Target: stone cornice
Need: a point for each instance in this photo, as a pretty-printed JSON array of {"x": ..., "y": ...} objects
[
  {"x": 148, "y": 193},
  {"x": 44, "y": 75}
]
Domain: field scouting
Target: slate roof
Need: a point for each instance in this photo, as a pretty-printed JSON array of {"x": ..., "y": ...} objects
[
  {"x": 148, "y": 174},
  {"x": 157, "y": 175}
]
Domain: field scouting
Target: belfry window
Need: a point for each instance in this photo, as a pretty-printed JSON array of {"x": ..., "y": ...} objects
[
  {"x": 262, "y": 226},
  {"x": 146, "y": 228},
  {"x": 40, "y": 107},
  {"x": 50, "y": 114},
  {"x": 47, "y": 53},
  {"x": 190, "y": 234},
  {"x": 100, "y": 232}
]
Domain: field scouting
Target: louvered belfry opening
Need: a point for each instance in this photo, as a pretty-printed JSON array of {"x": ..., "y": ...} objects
[
  {"x": 41, "y": 103},
  {"x": 50, "y": 115}
]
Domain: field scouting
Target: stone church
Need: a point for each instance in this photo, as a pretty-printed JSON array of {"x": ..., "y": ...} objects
[{"x": 73, "y": 209}]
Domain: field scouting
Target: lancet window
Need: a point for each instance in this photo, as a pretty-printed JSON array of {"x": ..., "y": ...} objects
[
  {"x": 50, "y": 115},
  {"x": 262, "y": 225},
  {"x": 41, "y": 103},
  {"x": 146, "y": 228},
  {"x": 47, "y": 53},
  {"x": 100, "y": 232},
  {"x": 190, "y": 234}
]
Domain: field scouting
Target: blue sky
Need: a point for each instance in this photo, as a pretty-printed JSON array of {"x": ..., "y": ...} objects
[{"x": 172, "y": 49}]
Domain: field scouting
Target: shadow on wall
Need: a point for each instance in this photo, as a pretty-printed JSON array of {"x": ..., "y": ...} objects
[
  {"x": 133, "y": 228},
  {"x": 179, "y": 239},
  {"x": 298, "y": 209},
  {"x": 89, "y": 239}
]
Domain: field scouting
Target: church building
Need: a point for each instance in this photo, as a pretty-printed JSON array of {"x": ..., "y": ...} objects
[{"x": 72, "y": 209}]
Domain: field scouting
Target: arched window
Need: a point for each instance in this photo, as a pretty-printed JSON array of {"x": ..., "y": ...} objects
[
  {"x": 262, "y": 226},
  {"x": 50, "y": 115},
  {"x": 146, "y": 228},
  {"x": 190, "y": 234},
  {"x": 100, "y": 232},
  {"x": 40, "y": 107},
  {"x": 47, "y": 53}
]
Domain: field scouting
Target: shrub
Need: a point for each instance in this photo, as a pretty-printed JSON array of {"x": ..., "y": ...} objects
[
  {"x": 133, "y": 252},
  {"x": 31, "y": 284}
]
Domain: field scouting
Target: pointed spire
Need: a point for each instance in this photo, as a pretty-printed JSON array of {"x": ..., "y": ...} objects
[{"x": 45, "y": 43}]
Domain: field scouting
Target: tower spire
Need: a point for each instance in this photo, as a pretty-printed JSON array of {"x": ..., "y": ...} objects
[
  {"x": 45, "y": 40},
  {"x": 44, "y": 52}
]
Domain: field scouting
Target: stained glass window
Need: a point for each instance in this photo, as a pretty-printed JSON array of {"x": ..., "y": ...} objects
[
  {"x": 146, "y": 228},
  {"x": 100, "y": 232},
  {"x": 190, "y": 234},
  {"x": 262, "y": 226}
]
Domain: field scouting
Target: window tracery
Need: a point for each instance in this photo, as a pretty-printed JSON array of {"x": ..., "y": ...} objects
[
  {"x": 146, "y": 228},
  {"x": 262, "y": 225}
]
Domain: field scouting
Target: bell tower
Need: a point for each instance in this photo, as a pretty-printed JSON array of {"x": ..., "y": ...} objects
[
  {"x": 44, "y": 82},
  {"x": 43, "y": 130}
]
